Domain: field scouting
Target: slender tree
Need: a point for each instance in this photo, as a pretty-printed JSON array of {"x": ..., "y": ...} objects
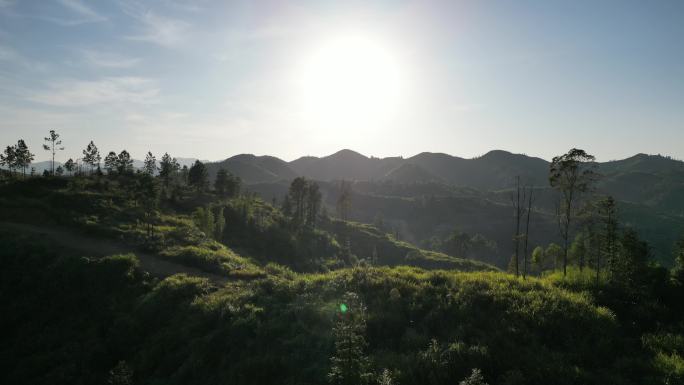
[
  {"x": 286, "y": 206},
  {"x": 219, "y": 224},
  {"x": 527, "y": 230},
  {"x": 519, "y": 211},
  {"x": 608, "y": 215},
  {"x": 349, "y": 363},
  {"x": 298, "y": 191},
  {"x": 343, "y": 206},
  {"x": 313, "y": 203},
  {"x": 150, "y": 166},
  {"x": 678, "y": 270},
  {"x": 53, "y": 144},
  {"x": 572, "y": 175},
  {"x": 124, "y": 163},
  {"x": 91, "y": 156},
  {"x": 9, "y": 158},
  {"x": 221, "y": 182},
  {"x": 168, "y": 167},
  {"x": 110, "y": 162},
  {"x": 184, "y": 175},
  {"x": 23, "y": 157},
  {"x": 147, "y": 194},
  {"x": 70, "y": 166}
]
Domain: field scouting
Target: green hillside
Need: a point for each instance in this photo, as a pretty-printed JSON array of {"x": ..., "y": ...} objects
[
  {"x": 109, "y": 320},
  {"x": 126, "y": 278}
]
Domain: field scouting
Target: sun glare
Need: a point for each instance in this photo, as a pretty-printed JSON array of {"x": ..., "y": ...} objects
[{"x": 350, "y": 82}]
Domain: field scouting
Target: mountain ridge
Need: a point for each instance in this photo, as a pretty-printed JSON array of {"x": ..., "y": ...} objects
[{"x": 494, "y": 170}]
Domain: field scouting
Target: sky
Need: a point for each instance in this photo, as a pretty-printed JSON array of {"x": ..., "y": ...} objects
[{"x": 211, "y": 79}]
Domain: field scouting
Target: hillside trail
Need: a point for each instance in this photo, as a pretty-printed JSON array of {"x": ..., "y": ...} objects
[{"x": 102, "y": 247}]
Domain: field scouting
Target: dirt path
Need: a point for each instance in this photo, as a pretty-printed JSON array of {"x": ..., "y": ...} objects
[{"x": 101, "y": 247}]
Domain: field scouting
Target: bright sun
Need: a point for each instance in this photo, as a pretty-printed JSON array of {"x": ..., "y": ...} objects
[{"x": 351, "y": 82}]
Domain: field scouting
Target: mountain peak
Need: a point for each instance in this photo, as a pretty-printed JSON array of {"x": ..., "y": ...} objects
[
  {"x": 346, "y": 153},
  {"x": 498, "y": 154}
]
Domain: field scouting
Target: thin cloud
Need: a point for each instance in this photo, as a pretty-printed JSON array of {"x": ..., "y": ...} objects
[
  {"x": 78, "y": 7},
  {"x": 85, "y": 14},
  {"x": 108, "y": 59},
  {"x": 10, "y": 55},
  {"x": 156, "y": 29},
  {"x": 78, "y": 93}
]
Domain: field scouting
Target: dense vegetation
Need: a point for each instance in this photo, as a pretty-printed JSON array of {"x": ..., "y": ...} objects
[{"x": 161, "y": 276}]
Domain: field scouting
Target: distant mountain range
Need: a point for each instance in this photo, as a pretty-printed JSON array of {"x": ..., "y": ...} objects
[
  {"x": 493, "y": 171},
  {"x": 433, "y": 193}
]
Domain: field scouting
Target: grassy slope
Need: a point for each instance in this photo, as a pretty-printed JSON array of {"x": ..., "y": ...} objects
[
  {"x": 278, "y": 329},
  {"x": 100, "y": 208}
]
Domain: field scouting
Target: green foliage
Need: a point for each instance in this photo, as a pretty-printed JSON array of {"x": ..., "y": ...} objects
[
  {"x": 303, "y": 203},
  {"x": 368, "y": 243},
  {"x": 424, "y": 327},
  {"x": 124, "y": 163},
  {"x": 150, "y": 164},
  {"x": 204, "y": 220},
  {"x": 17, "y": 157},
  {"x": 463, "y": 245},
  {"x": 91, "y": 156},
  {"x": 349, "y": 365},
  {"x": 475, "y": 378},
  {"x": 226, "y": 184},
  {"x": 198, "y": 176}
]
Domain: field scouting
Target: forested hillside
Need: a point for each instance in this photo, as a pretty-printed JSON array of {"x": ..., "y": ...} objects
[
  {"x": 170, "y": 274},
  {"x": 431, "y": 195}
]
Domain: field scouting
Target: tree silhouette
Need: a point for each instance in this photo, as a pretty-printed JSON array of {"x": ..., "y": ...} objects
[
  {"x": 91, "y": 156},
  {"x": 150, "y": 166},
  {"x": 52, "y": 144},
  {"x": 198, "y": 176},
  {"x": 298, "y": 189},
  {"x": 313, "y": 203},
  {"x": 124, "y": 163},
  {"x": 608, "y": 215},
  {"x": 9, "y": 158},
  {"x": 23, "y": 157},
  {"x": 70, "y": 166},
  {"x": 571, "y": 174},
  {"x": 343, "y": 206},
  {"x": 167, "y": 169},
  {"x": 221, "y": 182},
  {"x": 110, "y": 162}
]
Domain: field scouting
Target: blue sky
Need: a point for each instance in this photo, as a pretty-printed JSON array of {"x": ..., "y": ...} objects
[{"x": 212, "y": 79}]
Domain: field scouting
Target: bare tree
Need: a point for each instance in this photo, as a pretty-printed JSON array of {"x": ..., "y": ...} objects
[
  {"x": 530, "y": 200},
  {"x": 519, "y": 211}
]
